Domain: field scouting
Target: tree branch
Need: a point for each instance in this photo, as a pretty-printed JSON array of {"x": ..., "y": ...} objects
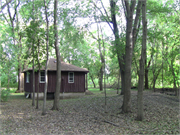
[
  {"x": 16, "y": 10},
  {"x": 6, "y": 19},
  {"x": 105, "y": 10},
  {"x": 127, "y": 9},
  {"x": 92, "y": 35},
  {"x": 103, "y": 15},
  {"x": 7, "y": 2},
  {"x": 124, "y": 8}
]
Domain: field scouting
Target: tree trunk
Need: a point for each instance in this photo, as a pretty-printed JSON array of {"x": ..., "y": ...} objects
[
  {"x": 147, "y": 70},
  {"x": 93, "y": 81},
  {"x": 174, "y": 78},
  {"x": 47, "y": 61},
  {"x": 128, "y": 58},
  {"x": 37, "y": 99},
  {"x": 33, "y": 99},
  {"x": 140, "y": 115},
  {"x": 146, "y": 74},
  {"x": 117, "y": 43},
  {"x": 155, "y": 76},
  {"x": 20, "y": 83},
  {"x": 19, "y": 78},
  {"x": 58, "y": 57},
  {"x": 101, "y": 80},
  {"x": 162, "y": 63},
  {"x": 102, "y": 60},
  {"x": 118, "y": 83},
  {"x": 12, "y": 19},
  {"x": 122, "y": 81},
  {"x": 130, "y": 41},
  {"x": 8, "y": 81}
]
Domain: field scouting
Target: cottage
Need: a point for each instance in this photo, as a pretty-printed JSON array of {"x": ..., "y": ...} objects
[{"x": 73, "y": 80}]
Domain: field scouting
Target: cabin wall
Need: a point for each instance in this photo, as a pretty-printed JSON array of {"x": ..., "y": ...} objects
[
  {"x": 51, "y": 82},
  {"x": 77, "y": 86},
  {"x": 28, "y": 86}
]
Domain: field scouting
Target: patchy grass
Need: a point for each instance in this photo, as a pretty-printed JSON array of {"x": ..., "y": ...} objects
[
  {"x": 108, "y": 90},
  {"x": 12, "y": 90},
  {"x": 86, "y": 115}
]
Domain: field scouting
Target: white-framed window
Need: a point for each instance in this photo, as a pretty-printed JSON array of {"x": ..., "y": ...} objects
[
  {"x": 71, "y": 77},
  {"x": 42, "y": 77},
  {"x": 27, "y": 77}
]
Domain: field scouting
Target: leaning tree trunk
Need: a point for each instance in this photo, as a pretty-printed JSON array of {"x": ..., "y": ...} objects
[
  {"x": 147, "y": 71},
  {"x": 93, "y": 81},
  {"x": 142, "y": 63},
  {"x": 155, "y": 76},
  {"x": 46, "y": 73},
  {"x": 117, "y": 44},
  {"x": 58, "y": 56}
]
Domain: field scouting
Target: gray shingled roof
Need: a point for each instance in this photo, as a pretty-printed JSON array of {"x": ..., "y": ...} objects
[{"x": 64, "y": 67}]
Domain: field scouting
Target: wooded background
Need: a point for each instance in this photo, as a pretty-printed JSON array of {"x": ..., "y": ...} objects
[{"x": 106, "y": 37}]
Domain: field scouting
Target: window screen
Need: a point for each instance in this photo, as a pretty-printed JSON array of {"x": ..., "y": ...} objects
[
  {"x": 71, "y": 77},
  {"x": 42, "y": 76},
  {"x": 27, "y": 77}
]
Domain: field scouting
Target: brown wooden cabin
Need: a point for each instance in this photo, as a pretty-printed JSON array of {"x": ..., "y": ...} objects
[{"x": 73, "y": 80}]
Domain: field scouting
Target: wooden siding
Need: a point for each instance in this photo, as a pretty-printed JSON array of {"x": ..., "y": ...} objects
[
  {"x": 77, "y": 86},
  {"x": 28, "y": 86}
]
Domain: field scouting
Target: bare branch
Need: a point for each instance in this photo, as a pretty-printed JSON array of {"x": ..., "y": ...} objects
[
  {"x": 103, "y": 15},
  {"x": 16, "y": 10},
  {"x": 124, "y": 8},
  {"x": 7, "y": 2},
  {"x": 6, "y": 19},
  {"x": 105, "y": 10},
  {"x": 9, "y": 14}
]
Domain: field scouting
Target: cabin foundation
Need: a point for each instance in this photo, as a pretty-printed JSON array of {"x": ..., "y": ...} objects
[{"x": 51, "y": 95}]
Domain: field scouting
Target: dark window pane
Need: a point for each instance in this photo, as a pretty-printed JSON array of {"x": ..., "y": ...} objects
[{"x": 42, "y": 77}]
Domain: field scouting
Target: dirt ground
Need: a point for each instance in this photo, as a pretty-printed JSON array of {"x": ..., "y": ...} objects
[{"x": 86, "y": 115}]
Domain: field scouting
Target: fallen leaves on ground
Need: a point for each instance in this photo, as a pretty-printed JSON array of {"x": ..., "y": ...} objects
[{"x": 88, "y": 115}]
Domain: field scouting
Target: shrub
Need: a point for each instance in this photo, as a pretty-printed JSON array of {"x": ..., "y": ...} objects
[{"x": 4, "y": 95}]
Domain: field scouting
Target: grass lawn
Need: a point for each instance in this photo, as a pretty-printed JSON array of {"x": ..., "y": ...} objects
[{"x": 108, "y": 90}]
